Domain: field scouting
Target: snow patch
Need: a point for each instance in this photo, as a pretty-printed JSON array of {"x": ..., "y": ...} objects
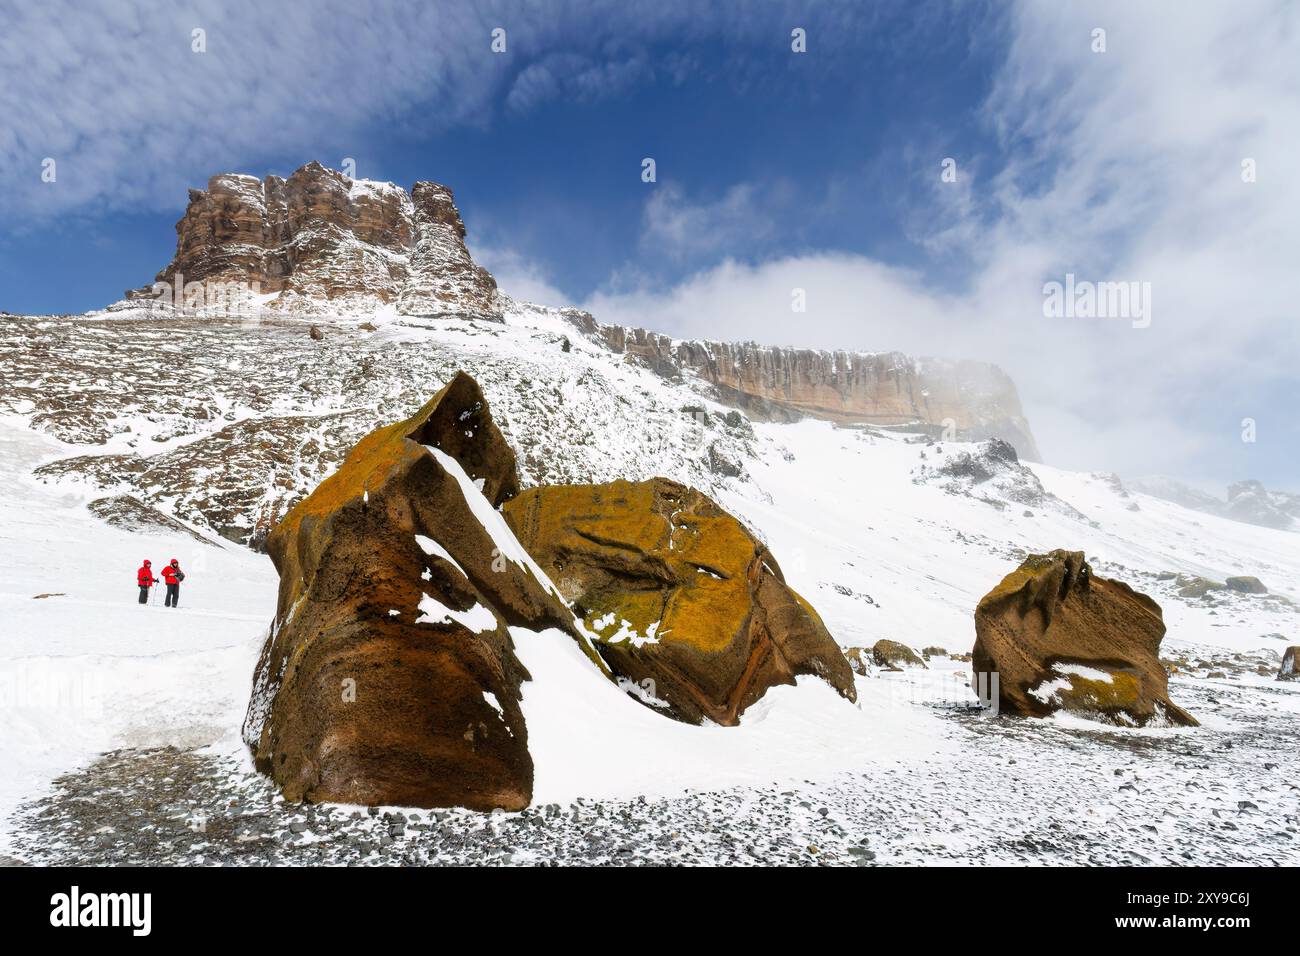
[{"x": 478, "y": 619}]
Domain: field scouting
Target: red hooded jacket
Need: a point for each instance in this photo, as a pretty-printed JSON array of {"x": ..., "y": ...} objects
[
  {"x": 171, "y": 574},
  {"x": 144, "y": 576}
]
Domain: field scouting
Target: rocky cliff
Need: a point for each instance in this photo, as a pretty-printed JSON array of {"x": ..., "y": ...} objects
[
  {"x": 976, "y": 399},
  {"x": 319, "y": 241}
]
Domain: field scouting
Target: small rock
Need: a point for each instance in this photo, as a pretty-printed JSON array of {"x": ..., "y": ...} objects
[{"x": 1246, "y": 584}]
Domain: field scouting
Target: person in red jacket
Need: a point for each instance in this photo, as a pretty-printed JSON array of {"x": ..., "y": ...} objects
[
  {"x": 144, "y": 577},
  {"x": 172, "y": 577}
]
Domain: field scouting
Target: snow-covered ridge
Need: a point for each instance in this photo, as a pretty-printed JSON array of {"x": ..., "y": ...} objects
[
  {"x": 322, "y": 244},
  {"x": 223, "y": 424}
]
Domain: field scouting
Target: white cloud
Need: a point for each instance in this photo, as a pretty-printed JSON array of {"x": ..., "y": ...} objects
[
  {"x": 575, "y": 78},
  {"x": 677, "y": 228},
  {"x": 133, "y": 116},
  {"x": 518, "y": 276}
]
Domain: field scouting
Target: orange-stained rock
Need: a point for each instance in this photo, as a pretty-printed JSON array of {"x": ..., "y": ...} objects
[
  {"x": 389, "y": 675},
  {"x": 688, "y": 609},
  {"x": 1060, "y": 638}
]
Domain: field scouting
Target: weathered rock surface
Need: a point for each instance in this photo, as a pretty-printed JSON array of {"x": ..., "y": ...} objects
[
  {"x": 1246, "y": 584},
  {"x": 688, "y": 609},
  {"x": 894, "y": 655},
  {"x": 1195, "y": 586},
  {"x": 1290, "y": 669},
  {"x": 389, "y": 675},
  {"x": 859, "y": 659},
  {"x": 885, "y": 388},
  {"x": 1060, "y": 638},
  {"x": 319, "y": 241}
]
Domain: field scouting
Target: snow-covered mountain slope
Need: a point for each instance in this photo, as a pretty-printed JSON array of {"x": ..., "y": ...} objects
[
  {"x": 1247, "y": 501},
  {"x": 221, "y": 425},
  {"x": 83, "y": 667}
]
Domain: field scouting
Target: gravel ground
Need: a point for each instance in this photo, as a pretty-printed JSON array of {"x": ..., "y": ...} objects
[{"x": 1026, "y": 792}]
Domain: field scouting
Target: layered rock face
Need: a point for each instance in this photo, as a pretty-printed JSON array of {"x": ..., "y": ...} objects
[
  {"x": 784, "y": 384},
  {"x": 389, "y": 675},
  {"x": 319, "y": 241},
  {"x": 1060, "y": 638},
  {"x": 689, "y": 611}
]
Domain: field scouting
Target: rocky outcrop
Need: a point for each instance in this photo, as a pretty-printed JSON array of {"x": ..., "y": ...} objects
[
  {"x": 859, "y": 659},
  {"x": 1195, "y": 586},
  {"x": 1246, "y": 584},
  {"x": 687, "y": 608},
  {"x": 1290, "y": 669},
  {"x": 443, "y": 278},
  {"x": 1251, "y": 502},
  {"x": 319, "y": 242},
  {"x": 895, "y": 656},
  {"x": 991, "y": 472},
  {"x": 389, "y": 675},
  {"x": 1059, "y": 638},
  {"x": 976, "y": 399}
]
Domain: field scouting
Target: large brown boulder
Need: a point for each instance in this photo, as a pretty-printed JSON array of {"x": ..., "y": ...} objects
[
  {"x": 895, "y": 656},
  {"x": 1060, "y": 638},
  {"x": 1246, "y": 584},
  {"x": 687, "y": 608},
  {"x": 1290, "y": 669},
  {"x": 389, "y": 675}
]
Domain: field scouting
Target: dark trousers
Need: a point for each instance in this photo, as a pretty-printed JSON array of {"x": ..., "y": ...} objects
[
  {"x": 173, "y": 595},
  {"x": 144, "y": 594}
]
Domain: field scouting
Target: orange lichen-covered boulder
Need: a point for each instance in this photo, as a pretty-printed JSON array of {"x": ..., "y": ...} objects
[
  {"x": 687, "y": 608},
  {"x": 389, "y": 675},
  {"x": 1060, "y": 638}
]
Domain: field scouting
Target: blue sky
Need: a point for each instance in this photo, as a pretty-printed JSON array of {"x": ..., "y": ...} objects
[
  {"x": 831, "y": 138},
  {"x": 775, "y": 170}
]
